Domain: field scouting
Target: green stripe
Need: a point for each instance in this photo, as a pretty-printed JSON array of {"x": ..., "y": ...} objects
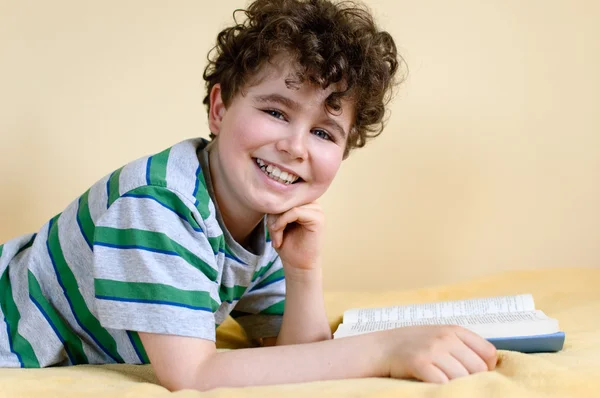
[
  {"x": 139, "y": 347},
  {"x": 275, "y": 309},
  {"x": 85, "y": 219},
  {"x": 113, "y": 187},
  {"x": 73, "y": 294},
  {"x": 216, "y": 242},
  {"x": 263, "y": 270},
  {"x": 20, "y": 345},
  {"x": 1, "y": 248},
  {"x": 275, "y": 275},
  {"x": 158, "y": 168},
  {"x": 71, "y": 341},
  {"x": 154, "y": 241},
  {"x": 141, "y": 291},
  {"x": 231, "y": 293},
  {"x": 202, "y": 196},
  {"x": 169, "y": 199}
]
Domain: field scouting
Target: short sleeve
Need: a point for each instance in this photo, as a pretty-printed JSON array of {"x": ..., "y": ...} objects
[
  {"x": 260, "y": 310},
  {"x": 154, "y": 268}
]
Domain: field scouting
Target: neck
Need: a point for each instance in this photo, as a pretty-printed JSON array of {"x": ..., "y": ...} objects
[{"x": 239, "y": 221}]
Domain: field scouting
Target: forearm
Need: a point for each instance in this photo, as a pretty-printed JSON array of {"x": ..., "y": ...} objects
[
  {"x": 304, "y": 319},
  {"x": 351, "y": 357}
]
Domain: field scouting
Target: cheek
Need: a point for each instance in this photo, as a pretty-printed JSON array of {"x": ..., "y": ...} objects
[
  {"x": 248, "y": 132},
  {"x": 326, "y": 166}
]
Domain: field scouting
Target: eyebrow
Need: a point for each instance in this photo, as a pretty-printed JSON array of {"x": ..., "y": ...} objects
[{"x": 293, "y": 105}]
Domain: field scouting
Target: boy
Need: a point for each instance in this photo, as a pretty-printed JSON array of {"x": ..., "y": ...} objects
[{"x": 144, "y": 265}]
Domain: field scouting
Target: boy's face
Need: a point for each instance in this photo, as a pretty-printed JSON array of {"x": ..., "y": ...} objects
[{"x": 277, "y": 147}]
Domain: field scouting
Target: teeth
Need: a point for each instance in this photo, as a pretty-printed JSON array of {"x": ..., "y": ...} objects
[{"x": 276, "y": 174}]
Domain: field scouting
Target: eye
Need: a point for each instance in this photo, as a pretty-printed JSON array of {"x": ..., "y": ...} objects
[
  {"x": 275, "y": 113},
  {"x": 322, "y": 134}
]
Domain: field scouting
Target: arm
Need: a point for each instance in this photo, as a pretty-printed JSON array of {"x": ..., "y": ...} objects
[
  {"x": 185, "y": 362},
  {"x": 435, "y": 354},
  {"x": 304, "y": 318},
  {"x": 297, "y": 236}
]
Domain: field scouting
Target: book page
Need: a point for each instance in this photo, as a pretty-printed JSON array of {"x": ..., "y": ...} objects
[
  {"x": 488, "y": 326},
  {"x": 490, "y": 305}
]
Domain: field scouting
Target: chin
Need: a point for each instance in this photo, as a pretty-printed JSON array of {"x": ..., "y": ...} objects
[{"x": 273, "y": 208}]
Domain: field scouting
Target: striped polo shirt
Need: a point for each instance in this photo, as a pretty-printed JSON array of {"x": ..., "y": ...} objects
[{"x": 143, "y": 250}]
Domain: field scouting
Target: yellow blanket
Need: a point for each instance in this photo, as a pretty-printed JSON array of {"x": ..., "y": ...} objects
[{"x": 570, "y": 295}]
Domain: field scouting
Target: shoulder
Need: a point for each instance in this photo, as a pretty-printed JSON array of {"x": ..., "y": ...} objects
[{"x": 171, "y": 179}]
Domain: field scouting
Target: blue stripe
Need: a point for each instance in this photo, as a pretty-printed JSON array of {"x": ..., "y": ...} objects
[
  {"x": 108, "y": 190},
  {"x": 80, "y": 226},
  {"x": 259, "y": 286},
  {"x": 130, "y": 195},
  {"x": 39, "y": 307},
  {"x": 148, "y": 170},
  {"x": 59, "y": 279},
  {"x": 170, "y": 253},
  {"x": 130, "y": 300},
  {"x": 138, "y": 353},
  {"x": 198, "y": 171},
  {"x": 11, "y": 345},
  {"x": 231, "y": 257}
]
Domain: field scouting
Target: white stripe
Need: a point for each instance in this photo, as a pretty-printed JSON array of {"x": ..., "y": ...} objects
[
  {"x": 44, "y": 272},
  {"x": 157, "y": 318},
  {"x": 77, "y": 253},
  {"x": 7, "y": 358},
  {"x": 257, "y": 301},
  {"x": 11, "y": 248},
  {"x": 126, "y": 349},
  {"x": 98, "y": 199},
  {"x": 134, "y": 265},
  {"x": 133, "y": 175},
  {"x": 34, "y": 327},
  {"x": 213, "y": 226},
  {"x": 79, "y": 258},
  {"x": 149, "y": 215},
  {"x": 182, "y": 167},
  {"x": 235, "y": 273}
]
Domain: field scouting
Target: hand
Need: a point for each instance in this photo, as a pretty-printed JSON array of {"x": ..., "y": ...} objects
[
  {"x": 297, "y": 236},
  {"x": 437, "y": 354}
]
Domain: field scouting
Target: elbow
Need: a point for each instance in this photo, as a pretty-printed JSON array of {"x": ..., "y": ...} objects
[
  {"x": 174, "y": 384},
  {"x": 195, "y": 378}
]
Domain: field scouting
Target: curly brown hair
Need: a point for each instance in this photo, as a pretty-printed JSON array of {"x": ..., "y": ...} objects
[{"x": 330, "y": 43}]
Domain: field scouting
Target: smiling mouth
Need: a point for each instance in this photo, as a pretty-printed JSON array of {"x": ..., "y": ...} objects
[{"x": 274, "y": 173}]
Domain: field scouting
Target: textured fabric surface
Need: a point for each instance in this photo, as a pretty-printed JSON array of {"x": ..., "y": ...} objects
[
  {"x": 570, "y": 295},
  {"x": 143, "y": 250}
]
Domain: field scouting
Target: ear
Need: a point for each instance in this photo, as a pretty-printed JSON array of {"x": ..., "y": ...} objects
[{"x": 217, "y": 110}]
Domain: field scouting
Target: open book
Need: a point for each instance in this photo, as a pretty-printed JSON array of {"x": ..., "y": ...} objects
[{"x": 508, "y": 322}]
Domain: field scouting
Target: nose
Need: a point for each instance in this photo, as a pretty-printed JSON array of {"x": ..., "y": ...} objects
[{"x": 294, "y": 144}]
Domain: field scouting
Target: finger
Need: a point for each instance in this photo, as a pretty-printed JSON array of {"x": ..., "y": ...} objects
[
  {"x": 469, "y": 359},
  {"x": 276, "y": 237},
  {"x": 431, "y": 374},
  {"x": 274, "y": 232},
  {"x": 480, "y": 346},
  {"x": 306, "y": 216},
  {"x": 451, "y": 367}
]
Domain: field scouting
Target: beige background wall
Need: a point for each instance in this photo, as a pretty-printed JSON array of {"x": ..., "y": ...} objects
[{"x": 490, "y": 161}]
